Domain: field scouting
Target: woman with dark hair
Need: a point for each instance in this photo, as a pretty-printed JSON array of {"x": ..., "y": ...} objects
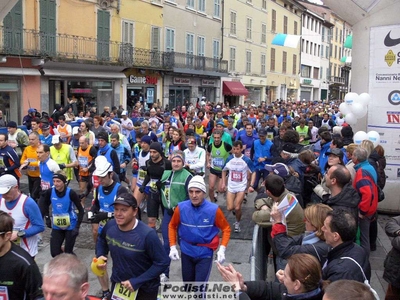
[
  {"x": 84, "y": 128},
  {"x": 292, "y": 137},
  {"x": 178, "y": 141},
  {"x": 301, "y": 279},
  {"x": 97, "y": 128},
  {"x": 167, "y": 140}
]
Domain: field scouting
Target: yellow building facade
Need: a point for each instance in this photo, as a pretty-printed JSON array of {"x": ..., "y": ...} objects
[{"x": 283, "y": 62}]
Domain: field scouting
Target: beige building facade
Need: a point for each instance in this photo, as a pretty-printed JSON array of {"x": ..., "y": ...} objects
[
  {"x": 245, "y": 48},
  {"x": 192, "y": 41}
]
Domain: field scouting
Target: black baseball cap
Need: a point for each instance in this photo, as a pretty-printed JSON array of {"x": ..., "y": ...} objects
[{"x": 126, "y": 199}]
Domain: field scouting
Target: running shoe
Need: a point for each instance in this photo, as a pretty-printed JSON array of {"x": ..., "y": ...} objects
[
  {"x": 236, "y": 227},
  {"x": 143, "y": 206}
]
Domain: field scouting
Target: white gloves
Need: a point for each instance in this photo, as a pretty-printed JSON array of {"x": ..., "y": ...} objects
[
  {"x": 221, "y": 254},
  {"x": 173, "y": 253}
]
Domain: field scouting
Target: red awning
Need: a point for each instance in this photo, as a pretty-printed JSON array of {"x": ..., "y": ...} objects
[{"x": 234, "y": 88}]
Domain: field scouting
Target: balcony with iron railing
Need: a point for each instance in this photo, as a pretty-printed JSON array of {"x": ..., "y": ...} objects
[
  {"x": 72, "y": 48},
  {"x": 338, "y": 80}
]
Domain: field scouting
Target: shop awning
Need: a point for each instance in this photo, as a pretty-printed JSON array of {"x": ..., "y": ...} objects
[
  {"x": 19, "y": 71},
  {"x": 234, "y": 88}
]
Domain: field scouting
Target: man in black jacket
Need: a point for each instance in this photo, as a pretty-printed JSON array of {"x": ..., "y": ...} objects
[
  {"x": 343, "y": 195},
  {"x": 346, "y": 260}
]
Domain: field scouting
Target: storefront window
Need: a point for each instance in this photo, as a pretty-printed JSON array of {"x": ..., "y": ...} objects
[
  {"x": 10, "y": 104},
  {"x": 88, "y": 93},
  {"x": 178, "y": 96}
]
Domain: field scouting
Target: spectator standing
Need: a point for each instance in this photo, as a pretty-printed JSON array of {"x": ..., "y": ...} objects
[
  {"x": 365, "y": 183},
  {"x": 392, "y": 262},
  {"x": 346, "y": 260},
  {"x": 342, "y": 193}
]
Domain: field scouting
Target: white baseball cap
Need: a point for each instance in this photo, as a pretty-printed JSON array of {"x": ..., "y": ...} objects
[
  {"x": 6, "y": 183},
  {"x": 55, "y": 139},
  {"x": 103, "y": 167}
]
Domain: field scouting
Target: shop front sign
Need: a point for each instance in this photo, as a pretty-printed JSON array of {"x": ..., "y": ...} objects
[{"x": 143, "y": 79}]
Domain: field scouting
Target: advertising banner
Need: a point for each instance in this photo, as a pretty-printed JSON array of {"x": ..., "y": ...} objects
[{"x": 384, "y": 89}]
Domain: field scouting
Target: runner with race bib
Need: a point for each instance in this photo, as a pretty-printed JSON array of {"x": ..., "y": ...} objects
[
  {"x": 217, "y": 154},
  {"x": 65, "y": 221},
  {"x": 240, "y": 169}
]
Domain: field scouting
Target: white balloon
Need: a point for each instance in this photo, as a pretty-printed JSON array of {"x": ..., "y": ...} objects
[
  {"x": 364, "y": 99},
  {"x": 374, "y": 137},
  {"x": 344, "y": 108},
  {"x": 359, "y": 136},
  {"x": 358, "y": 110},
  {"x": 350, "y": 119},
  {"x": 350, "y": 98}
]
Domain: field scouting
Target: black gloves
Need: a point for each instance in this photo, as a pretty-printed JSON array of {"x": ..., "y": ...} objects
[
  {"x": 141, "y": 189},
  {"x": 312, "y": 182},
  {"x": 158, "y": 185},
  {"x": 100, "y": 216},
  {"x": 62, "y": 166},
  {"x": 48, "y": 221}
]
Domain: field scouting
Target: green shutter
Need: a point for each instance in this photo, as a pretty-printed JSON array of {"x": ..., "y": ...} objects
[
  {"x": 48, "y": 27},
  {"x": 103, "y": 35},
  {"x": 13, "y": 28}
]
